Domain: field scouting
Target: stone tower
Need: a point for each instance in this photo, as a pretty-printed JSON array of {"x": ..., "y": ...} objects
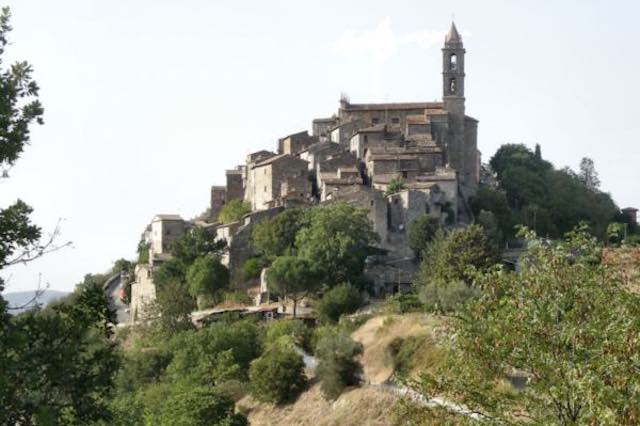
[{"x": 453, "y": 98}]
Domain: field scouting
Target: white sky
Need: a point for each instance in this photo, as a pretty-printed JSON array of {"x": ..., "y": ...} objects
[{"x": 147, "y": 102}]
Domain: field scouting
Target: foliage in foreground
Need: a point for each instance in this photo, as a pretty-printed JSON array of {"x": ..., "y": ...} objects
[{"x": 566, "y": 323}]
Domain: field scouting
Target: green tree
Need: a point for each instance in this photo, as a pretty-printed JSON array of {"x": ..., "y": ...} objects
[
  {"x": 294, "y": 329},
  {"x": 566, "y": 323},
  {"x": 233, "y": 211},
  {"x": 58, "y": 365},
  {"x": 197, "y": 406},
  {"x": 341, "y": 299},
  {"x": 252, "y": 269},
  {"x": 449, "y": 256},
  {"x": 278, "y": 375},
  {"x": 395, "y": 185},
  {"x": 293, "y": 277},
  {"x": 421, "y": 232},
  {"x": 337, "y": 366},
  {"x": 588, "y": 174},
  {"x": 207, "y": 277},
  {"x": 337, "y": 241},
  {"x": 277, "y": 236}
]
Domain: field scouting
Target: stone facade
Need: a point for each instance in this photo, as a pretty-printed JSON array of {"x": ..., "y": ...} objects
[
  {"x": 265, "y": 181},
  {"x": 164, "y": 231},
  {"x": 296, "y": 142},
  {"x": 235, "y": 184},
  {"x": 143, "y": 291}
]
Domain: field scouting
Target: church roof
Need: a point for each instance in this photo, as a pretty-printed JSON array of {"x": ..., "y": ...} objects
[
  {"x": 393, "y": 106},
  {"x": 453, "y": 36}
]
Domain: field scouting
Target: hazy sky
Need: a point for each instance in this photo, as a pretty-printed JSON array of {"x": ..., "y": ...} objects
[{"x": 147, "y": 102}]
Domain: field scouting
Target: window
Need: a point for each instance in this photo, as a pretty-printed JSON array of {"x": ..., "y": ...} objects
[
  {"x": 366, "y": 138},
  {"x": 265, "y": 189},
  {"x": 404, "y": 175},
  {"x": 371, "y": 203},
  {"x": 453, "y": 62},
  {"x": 265, "y": 170},
  {"x": 395, "y": 120},
  {"x": 453, "y": 86},
  {"x": 375, "y": 120}
]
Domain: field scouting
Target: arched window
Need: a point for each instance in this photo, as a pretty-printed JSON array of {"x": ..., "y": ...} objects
[
  {"x": 453, "y": 87},
  {"x": 453, "y": 62}
]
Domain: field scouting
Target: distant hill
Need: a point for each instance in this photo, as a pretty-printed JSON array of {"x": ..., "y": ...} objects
[{"x": 19, "y": 298}]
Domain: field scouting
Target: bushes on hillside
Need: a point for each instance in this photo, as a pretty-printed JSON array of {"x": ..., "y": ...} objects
[
  {"x": 278, "y": 375},
  {"x": 340, "y": 300},
  {"x": 337, "y": 366},
  {"x": 199, "y": 406},
  {"x": 233, "y": 211},
  {"x": 294, "y": 329}
]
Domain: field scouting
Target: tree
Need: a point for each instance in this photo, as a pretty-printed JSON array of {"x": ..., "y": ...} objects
[
  {"x": 206, "y": 278},
  {"x": 337, "y": 366},
  {"x": 233, "y": 211},
  {"x": 293, "y": 329},
  {"x": 421, "y": 232},
  {"x": 293, "y": 277},
  {"x": 395, "y": 185},
  {"x": 252, "y": 269},
  {"x": 449, "y": 256},
  {"x": 341, "y": 299},
  {"x": 199, "y": 406},
  {"x": 278, "y": 375},
  {"x": 588, "y": 174},
  {"x": 58, "y": 365},
  {"x": 277, "y": 236},
  {"x": 337, "y": 241},
  {"x": 566, "y": 323}
]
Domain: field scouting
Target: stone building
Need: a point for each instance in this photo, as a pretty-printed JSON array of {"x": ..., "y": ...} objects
[
  {"x": 444, "y": 125},
  {"x": 296, "y": 142},
  {"x": 235, "y": 184},
  {"x": 165, "y": 228},
  {"x": 267, "y": 178}
]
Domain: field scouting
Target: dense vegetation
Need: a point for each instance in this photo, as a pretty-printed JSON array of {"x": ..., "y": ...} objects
[{"x": 533, "y": 193}]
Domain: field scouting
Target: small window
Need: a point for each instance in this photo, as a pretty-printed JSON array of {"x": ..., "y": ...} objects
[
  {"x": 265, "y": 171},
  {"x": 404, "y": 175},
  {"x": 265, "y": 189},
  {"x": 366, "y": 138},
  {"x": 371, "y": 203},
  {"x": 395, "y": 120},
  {"x": 375, "y": 120},
  {"x": 453, "y": 87}
]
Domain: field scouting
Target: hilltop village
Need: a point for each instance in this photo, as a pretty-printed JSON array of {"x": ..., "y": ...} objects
[{"x": 428, "y": 149}]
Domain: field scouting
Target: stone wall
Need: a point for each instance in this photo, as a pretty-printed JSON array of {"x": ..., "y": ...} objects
[
  {"x": 235, "y": 184},
  {"x": 143, "y": 291}
]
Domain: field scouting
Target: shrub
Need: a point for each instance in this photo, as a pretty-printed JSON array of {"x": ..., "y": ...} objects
[
  {"x": 199, "y": 406},
  {"x": 278, "y": 375},
  {"x": 342, "y": 299},
  {"x": 233, "y": 211},
  {"x": 252, "y": 269},
  {"x": 421, "y": 232},
  {"x": 239, "y": 297},
  {"x": 206, "y": 278},
  {"x": 299, "y": 333},
  {"x": 337, "y": 367},
  {"x": 446, "y": 297},
  {"x": 405, "y": 302}
]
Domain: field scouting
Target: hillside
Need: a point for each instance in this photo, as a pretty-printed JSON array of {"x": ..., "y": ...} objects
[
  {"x": 370, "y": 404},
  {"x": 19, "y": 298}
]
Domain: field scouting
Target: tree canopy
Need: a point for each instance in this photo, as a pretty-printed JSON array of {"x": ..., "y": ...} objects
[
  {"x": 565, "y": 324},
  {"x": 535, "y": 194},
  {"x": 293, "y": 277},
  {"x": 233, "y": 211}
]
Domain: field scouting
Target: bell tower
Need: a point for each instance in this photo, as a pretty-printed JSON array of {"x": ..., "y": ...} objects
[
  {"x": 453, "y": 71},
  {"x": 453, "y": 100}
]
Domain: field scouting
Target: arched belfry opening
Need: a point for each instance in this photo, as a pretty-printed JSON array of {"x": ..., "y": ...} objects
[
  {"x": 453, "y": 62},
  {"x": 453, "y": 86}
]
